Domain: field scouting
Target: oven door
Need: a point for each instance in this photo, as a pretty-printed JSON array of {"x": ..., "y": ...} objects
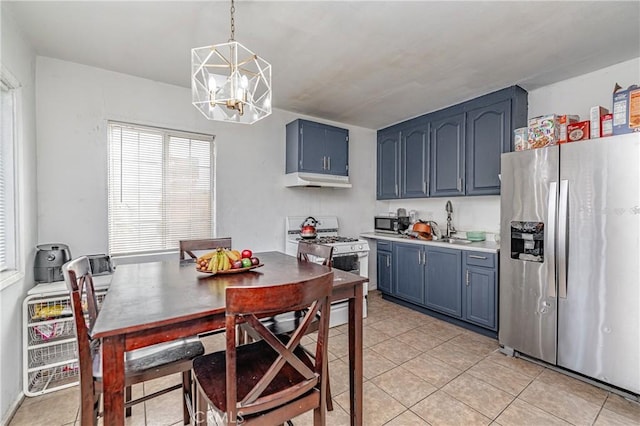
[{"x": 349, "y": 262}]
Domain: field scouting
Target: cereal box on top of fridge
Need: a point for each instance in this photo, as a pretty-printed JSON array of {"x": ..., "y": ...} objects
[
  {"x": 543, "y": 131},
  {"x": 563, "y": 120},
  {"x": 578, "y": 131},
  {"x": 626, "y": 110},
  {"x": 595, "y": 115}
]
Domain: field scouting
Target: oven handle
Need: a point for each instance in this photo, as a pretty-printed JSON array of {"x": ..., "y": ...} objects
[{"x": 360, "y": 254}]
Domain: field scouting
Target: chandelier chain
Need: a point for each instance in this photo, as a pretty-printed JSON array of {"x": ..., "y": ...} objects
[{"x": 233, "y": 21}]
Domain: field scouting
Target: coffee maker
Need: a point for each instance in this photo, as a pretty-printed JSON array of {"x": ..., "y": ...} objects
[
  {"x": 49, "y": 260},
  {"x": 403, "y": 220}
]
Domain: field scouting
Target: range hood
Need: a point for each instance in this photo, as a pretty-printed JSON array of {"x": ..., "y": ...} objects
[{"x": 316, "y": 180}]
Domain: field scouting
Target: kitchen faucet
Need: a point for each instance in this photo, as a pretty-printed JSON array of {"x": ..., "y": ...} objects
[{"x": 450, "y": 229}]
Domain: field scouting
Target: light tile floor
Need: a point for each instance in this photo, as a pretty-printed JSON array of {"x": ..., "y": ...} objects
[{"x": 418, "y": 371}]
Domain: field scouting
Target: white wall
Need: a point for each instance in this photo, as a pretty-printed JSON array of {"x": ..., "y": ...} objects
[
  {"x": 573, "y": 96},
  {"x": 74, "y": 104},
  {"x": 18, "y": 58},
  {"x": 577, "y": 95}
]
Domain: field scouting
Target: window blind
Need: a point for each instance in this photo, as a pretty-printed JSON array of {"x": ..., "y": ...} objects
[
  {"x": 160, "y": 188},
  {"x": 7, "y": 178}
]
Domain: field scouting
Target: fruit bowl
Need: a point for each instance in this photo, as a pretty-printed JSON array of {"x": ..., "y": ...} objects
[{"x": 231, "y": 271}]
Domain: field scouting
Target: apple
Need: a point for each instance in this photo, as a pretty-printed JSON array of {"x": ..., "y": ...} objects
[
  {"x": 255, "y": 261},
  {"x": 246, "y": 253},
  {"x": 246, "y": 262},
  {"x": 237, "y": 264}
]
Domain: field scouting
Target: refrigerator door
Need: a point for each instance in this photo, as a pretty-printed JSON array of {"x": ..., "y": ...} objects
[
  {"x": 599, "y": 308},
  {"x": 528, "y": 308}
]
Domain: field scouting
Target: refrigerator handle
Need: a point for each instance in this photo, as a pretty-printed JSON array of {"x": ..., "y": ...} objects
[
  {"x": 562, "y": 239},
  {"x": 551, "y": 237}
]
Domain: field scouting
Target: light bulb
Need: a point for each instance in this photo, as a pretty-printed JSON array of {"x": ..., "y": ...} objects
[
  {"x": 244, "y": 82},
  {"x": 211, "y": 83},
  {"x": 267, "y": 102}
]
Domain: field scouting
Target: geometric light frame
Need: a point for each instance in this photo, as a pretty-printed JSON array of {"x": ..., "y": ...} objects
[{"x": 230, "y": 83}]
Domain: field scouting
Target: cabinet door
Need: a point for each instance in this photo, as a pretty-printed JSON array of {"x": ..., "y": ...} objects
[
  {"x": 444, "y": 281},
  {"x": 414, "y": 162},
  {"x": 488, "y": 136},
  {"x": 409, "y": 272},
  {"x": 337, "y": 151},
  {"x": 387, "y": 165},
  {"x": 312, "y": 147},
  {"x": 480, "y": 296},
  {"x": 384, "y": 274},
  {"x": 447, "y": 156}
]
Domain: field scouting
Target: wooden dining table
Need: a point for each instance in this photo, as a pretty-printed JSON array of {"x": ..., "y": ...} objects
[{"x": 150, "y": 303}]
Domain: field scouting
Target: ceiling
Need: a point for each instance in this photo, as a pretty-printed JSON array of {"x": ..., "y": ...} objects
[{"x": 369, "y": 64}]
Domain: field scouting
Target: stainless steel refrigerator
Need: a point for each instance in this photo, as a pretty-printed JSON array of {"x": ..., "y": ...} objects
[{"x": 570, "y": 256}]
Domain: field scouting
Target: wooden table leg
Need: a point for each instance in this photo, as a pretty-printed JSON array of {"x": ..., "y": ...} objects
[
  {"x": 113, "y": 380},
  {"x": 355, "y": 357}
]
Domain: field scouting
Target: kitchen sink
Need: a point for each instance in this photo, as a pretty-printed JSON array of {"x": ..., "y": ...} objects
[{"x": 455, "y": 241}]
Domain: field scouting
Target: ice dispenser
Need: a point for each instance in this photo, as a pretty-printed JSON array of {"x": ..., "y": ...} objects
[{"x": 527, "y": 241}]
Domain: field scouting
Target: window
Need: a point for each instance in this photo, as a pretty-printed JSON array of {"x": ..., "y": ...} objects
[
  {"x": 160, "y": 188},
  {"x": 8, "y": 242}
]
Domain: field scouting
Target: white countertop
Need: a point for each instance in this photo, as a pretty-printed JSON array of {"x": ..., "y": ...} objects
[{"x": 485, "y": 246}]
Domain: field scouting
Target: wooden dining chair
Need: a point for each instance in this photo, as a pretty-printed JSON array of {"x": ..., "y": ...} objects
[
  {"x": 140, "y": 365},
  {"x": 306, "y": 249},
  {"x": 271, "y": 380},
  {"x": 287, "y": 322},
  {"x": 190, "y": 246}
]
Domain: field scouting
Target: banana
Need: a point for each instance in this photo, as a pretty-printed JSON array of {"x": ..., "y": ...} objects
[
  {"x": 232, "y": 255},
  {"x": 237, "y": 254},
  {"x": 207, "y": 256},
  {"x": 227, "y": 262},
  {"x": 221, "y": 258},
  {"x": 213, "y": 265}
]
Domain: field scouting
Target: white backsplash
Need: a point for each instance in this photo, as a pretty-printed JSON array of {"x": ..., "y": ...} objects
[{"x": 469, "y": 213}]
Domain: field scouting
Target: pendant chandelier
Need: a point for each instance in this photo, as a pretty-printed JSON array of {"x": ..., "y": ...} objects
[{"x": 229, "y": 82}]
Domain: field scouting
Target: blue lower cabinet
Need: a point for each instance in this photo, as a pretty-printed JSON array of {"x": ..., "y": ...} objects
[
  {"x": 385, "y": 271},
  {"x": 458, "y": 284},
  {"x": 409, "y": 272},
  {"x": 444, "y": 283},
  {"x": 480, "y": 292}
]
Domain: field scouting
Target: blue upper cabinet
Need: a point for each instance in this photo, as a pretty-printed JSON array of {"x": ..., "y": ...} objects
[
  {"x": 388, "y": 163},
  {"x": 317, "y": 148},
  {"x": 463, "y": 146},
  {"x": 414, "y": 161},
  {"x": 447, "y": 156},
  {"x": 488, "y": 136}
]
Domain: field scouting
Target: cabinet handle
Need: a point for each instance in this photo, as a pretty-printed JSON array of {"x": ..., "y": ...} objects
[
  {"x": 424, "y": 258},
  {"x": 388, "y": 262},
  {"x": 420, "y": 257},
  {"x": 328, "y": 163},
  {"x": 424, "y": 187},
  {"x": 459, "y": 184},
  {"x": 467, "y": 277},
  {"x": 473, "y": 256},
  {"x": 396, "y": 189}
]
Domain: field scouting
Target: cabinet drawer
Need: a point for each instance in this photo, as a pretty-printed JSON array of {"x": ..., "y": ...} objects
[
  {"x": 383, "y": 245},
  {"x": 478, "y": 258}
]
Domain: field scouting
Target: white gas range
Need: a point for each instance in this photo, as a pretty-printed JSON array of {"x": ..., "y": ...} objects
[{"x": 349, "y": 254}]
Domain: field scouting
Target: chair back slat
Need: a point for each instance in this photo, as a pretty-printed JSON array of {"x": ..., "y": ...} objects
[
  {"x": 77, "y": 275},
  {"x": 189, "y": 246},
  {"x": 306, "y": 249},
  {"x": 244, "y": 305}
]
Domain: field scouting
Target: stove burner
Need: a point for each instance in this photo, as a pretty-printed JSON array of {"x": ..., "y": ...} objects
[{"x": 329, "y": 240}]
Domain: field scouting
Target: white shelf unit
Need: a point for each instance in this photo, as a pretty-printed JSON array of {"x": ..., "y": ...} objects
[{"x": 50, "y": 350}]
